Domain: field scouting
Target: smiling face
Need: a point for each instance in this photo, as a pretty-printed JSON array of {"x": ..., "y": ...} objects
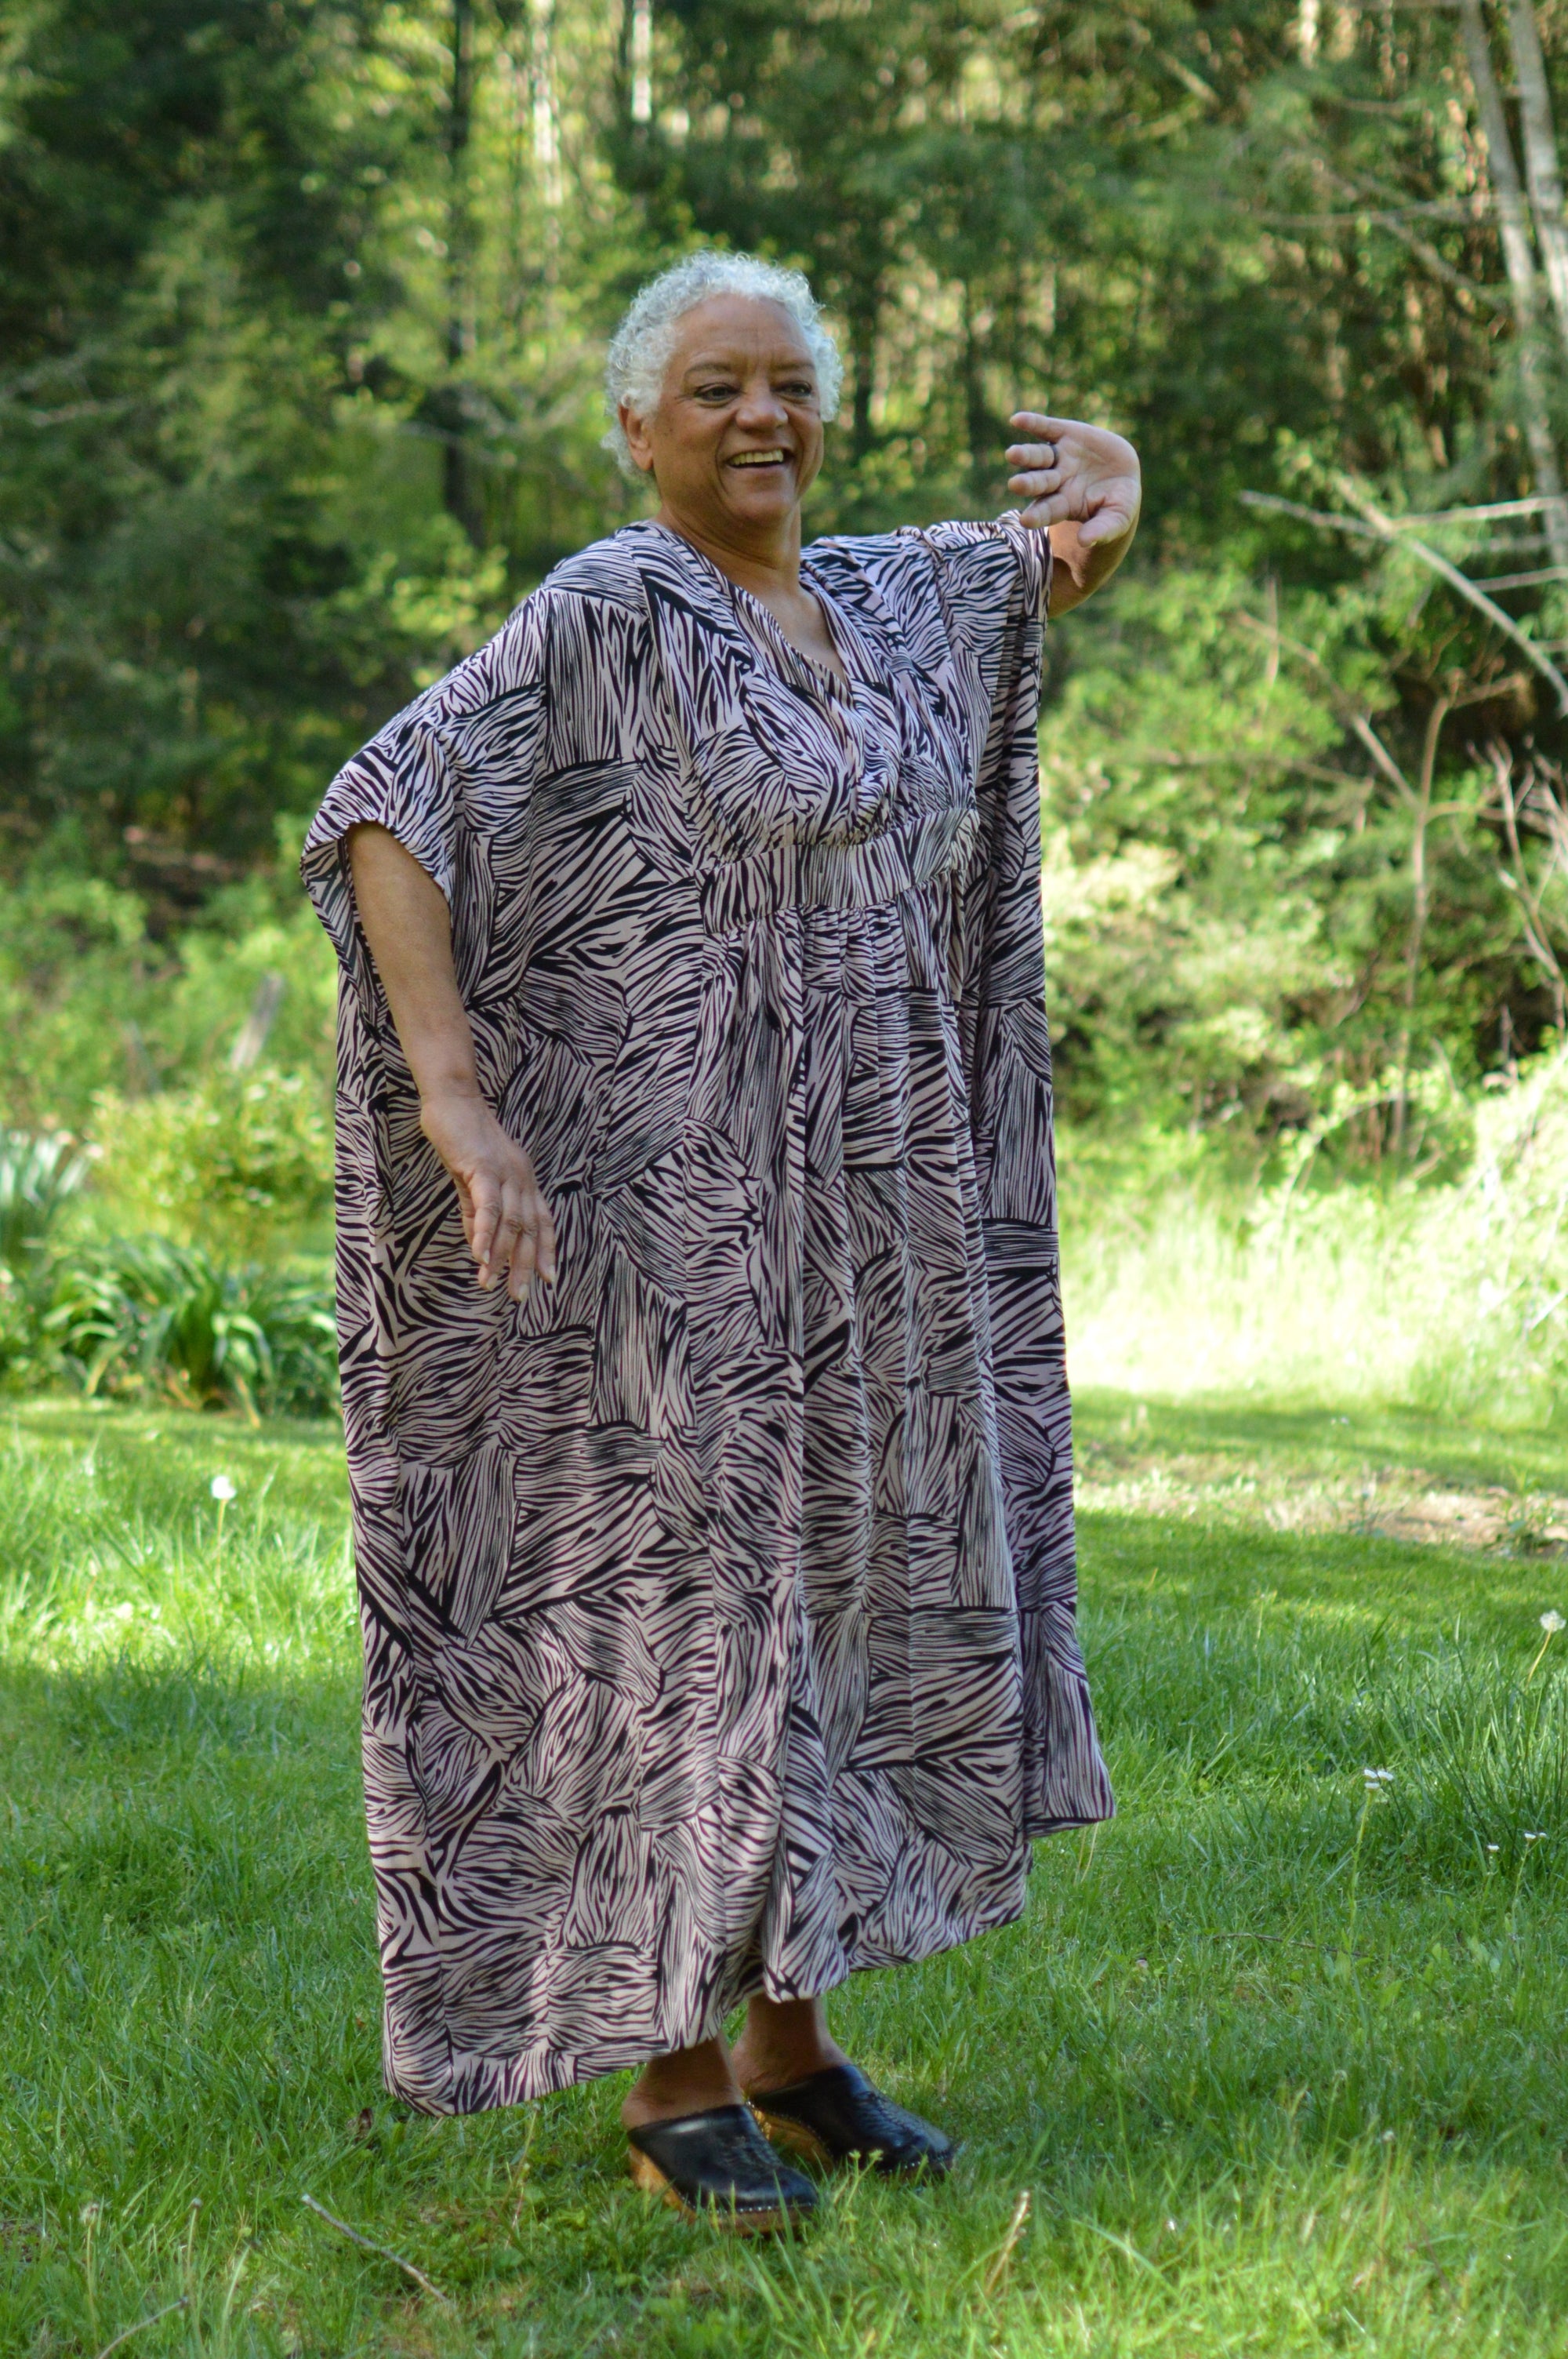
[{"x": 737, "y": 436}]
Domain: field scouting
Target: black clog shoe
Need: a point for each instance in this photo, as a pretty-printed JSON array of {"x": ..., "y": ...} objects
[
  {"x": 720, "y": 2164},
  {"x": 836, "y": 2116}
]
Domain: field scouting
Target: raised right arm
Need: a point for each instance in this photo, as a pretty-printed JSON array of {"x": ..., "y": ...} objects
[{"x": 403, "y": 916}]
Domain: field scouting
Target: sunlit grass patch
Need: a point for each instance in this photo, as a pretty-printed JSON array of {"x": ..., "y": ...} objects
[
  {"x": 113, "y": 1543},
  {"x": 1451, "y": 1297},
  {"x": 1276, "y": 2055}
]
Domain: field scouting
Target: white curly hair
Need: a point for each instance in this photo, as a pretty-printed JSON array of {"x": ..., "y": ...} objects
[{"x": 640, "y": 347}]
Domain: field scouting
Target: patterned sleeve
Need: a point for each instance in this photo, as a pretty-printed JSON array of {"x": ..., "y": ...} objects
[
  {"x": 993, "y": 581},
  {"x": 992, "y": 578},
  {"x": 432, "y": 776},
  {"x": 402, "y": 781}
]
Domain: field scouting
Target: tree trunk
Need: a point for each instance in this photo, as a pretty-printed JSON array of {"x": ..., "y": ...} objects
[
  {"x": 456, "y": 487},
  {"x": 642, "y": 46},
  {"x": 546, "y": 121},
  {"x": 1540, "y": 156},
  {"x": 863, "y": 369},
  {"x": 977, "y": 428},
  {"x": 1513, "y": 229}
]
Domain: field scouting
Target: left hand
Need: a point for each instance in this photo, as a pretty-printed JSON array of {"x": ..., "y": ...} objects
[{"x": 1073, "y": 474}]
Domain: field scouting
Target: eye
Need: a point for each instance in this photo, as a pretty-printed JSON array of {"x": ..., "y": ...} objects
[
  {"x": 798, "y": 388},
  {"x": 715, "y": 390}
]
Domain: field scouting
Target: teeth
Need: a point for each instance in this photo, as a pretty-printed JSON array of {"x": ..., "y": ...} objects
[{"x": 757, "y": 459}]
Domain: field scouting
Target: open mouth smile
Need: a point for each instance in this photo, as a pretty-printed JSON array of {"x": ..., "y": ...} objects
[{"x": 757, "y": 459}]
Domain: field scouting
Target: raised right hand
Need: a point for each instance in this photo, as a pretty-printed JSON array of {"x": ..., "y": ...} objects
[{"x": 506, "y": 1218}]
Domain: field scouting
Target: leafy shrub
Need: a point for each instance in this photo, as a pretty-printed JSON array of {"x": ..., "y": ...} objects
[
  {"x": 37, "y": 1176},
  {"x": 1454, "y": 1296},
  {"x": 21, "y": 1364},
  {"x": 240, "y": 1163},
  {"x": 141, "y": 1314},
  {"x": 91, "y": 1000}
]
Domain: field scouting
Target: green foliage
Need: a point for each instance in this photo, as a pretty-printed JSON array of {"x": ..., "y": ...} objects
[
  {"x": 239, "y": 521},
  {"x": 241, "y": 1161},
  {"x": 1451, "y": 1295},
  {"x": 303, "y": 312},
  {"x": 1234, "y": 935},
  {"x": 1278, "y": 2062},
  {"x": 38, "y": 1176},
  {"x": 149, "y": 1314},
  {"x": 93, "y": 1004},
  {"x": 141, "y": 1315}
]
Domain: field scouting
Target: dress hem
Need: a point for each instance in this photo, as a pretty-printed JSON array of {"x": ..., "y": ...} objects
[{"x": 520, "y": 2080}]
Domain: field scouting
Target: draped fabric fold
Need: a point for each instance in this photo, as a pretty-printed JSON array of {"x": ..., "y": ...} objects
[{"x": 719, "y": 1600}]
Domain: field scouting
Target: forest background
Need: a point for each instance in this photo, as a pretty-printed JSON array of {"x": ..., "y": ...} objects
[{"x": 302, "y": 312}]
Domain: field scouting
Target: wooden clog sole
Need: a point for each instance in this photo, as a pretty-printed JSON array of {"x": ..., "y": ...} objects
[
  {"x": 797, "y": 2139},
  {"x": 647, "y": 2175},
  {"x": 794, "y": 2138}
]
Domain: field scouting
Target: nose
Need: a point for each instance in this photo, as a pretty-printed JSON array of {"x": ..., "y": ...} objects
[{"x": 759, "y": 408}]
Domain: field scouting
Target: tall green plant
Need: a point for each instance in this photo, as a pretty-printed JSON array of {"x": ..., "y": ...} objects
[
  {"x": 38, "y": 1176},
  {"x": 143, "y": 1315}
]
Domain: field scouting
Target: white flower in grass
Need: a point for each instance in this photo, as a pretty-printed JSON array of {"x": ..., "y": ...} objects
[
  {"x": 1538, "y": 1836},
  {"x": 1377, "y": 1779},
  {"x": 222, "y": 1487},
  {"x": 1550, "y": 1623}
]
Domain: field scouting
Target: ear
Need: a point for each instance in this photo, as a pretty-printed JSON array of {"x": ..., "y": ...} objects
[{"x": 637, "y": 435}]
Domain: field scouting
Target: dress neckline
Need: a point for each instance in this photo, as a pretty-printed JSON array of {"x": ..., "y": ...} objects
[{"x": 762, "y": 629}]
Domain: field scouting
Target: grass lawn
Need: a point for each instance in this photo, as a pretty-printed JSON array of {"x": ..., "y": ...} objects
[{"x": 1279, "y": 2060}]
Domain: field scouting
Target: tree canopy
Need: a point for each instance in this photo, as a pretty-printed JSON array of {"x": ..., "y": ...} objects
[{"x": 302, "y": 304}]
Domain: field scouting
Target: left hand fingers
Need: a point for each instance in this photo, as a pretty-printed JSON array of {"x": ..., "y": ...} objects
[
  {"x": 1038, "y": 483},
  {"x": 1108, "y": 520},
  {"x": 1108, "y": 523},
  {"x": 1040, "y": 427},
  {"x": 1055, "y": 509}
]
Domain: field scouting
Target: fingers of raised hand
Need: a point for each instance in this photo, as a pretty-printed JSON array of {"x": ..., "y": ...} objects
[
  {"x": 1113, "y": 515},
  {"x": 1054, "y": 507},
  {"x": 1039, "y": 425},
  {"x": 1036, "y": 482}
]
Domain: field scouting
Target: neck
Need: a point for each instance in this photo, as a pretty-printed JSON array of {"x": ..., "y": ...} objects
[{"x": 761, "y": 562}]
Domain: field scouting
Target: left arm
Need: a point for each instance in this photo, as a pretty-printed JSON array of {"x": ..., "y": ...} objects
[{"x": 1083, "y": 484}]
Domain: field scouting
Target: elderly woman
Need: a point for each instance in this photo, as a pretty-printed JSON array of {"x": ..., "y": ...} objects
[{"x": 715, "y": 1547}]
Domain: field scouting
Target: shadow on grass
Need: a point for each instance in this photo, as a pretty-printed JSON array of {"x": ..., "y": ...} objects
[
  {"x": 1259, "y": 2051},
  {"x": 1318, "y": 1440}
]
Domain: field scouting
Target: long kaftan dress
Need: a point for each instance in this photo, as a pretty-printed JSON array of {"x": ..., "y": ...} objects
[{"x": 719, "y": 1600}]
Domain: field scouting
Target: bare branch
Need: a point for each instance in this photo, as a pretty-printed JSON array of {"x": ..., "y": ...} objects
[
  {"x": 1484, "y": 512},
  {"x": 1517, "y": 883},
  {"x": 1378, "y": 526},
  {"x": 383, "y": 2252},
  {"x": 1353, "y": 716},
  {"x": 1531, "y": 581}
]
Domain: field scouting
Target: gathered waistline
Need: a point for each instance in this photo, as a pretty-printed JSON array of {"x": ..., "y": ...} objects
[{"x": 838, "y": 876}]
